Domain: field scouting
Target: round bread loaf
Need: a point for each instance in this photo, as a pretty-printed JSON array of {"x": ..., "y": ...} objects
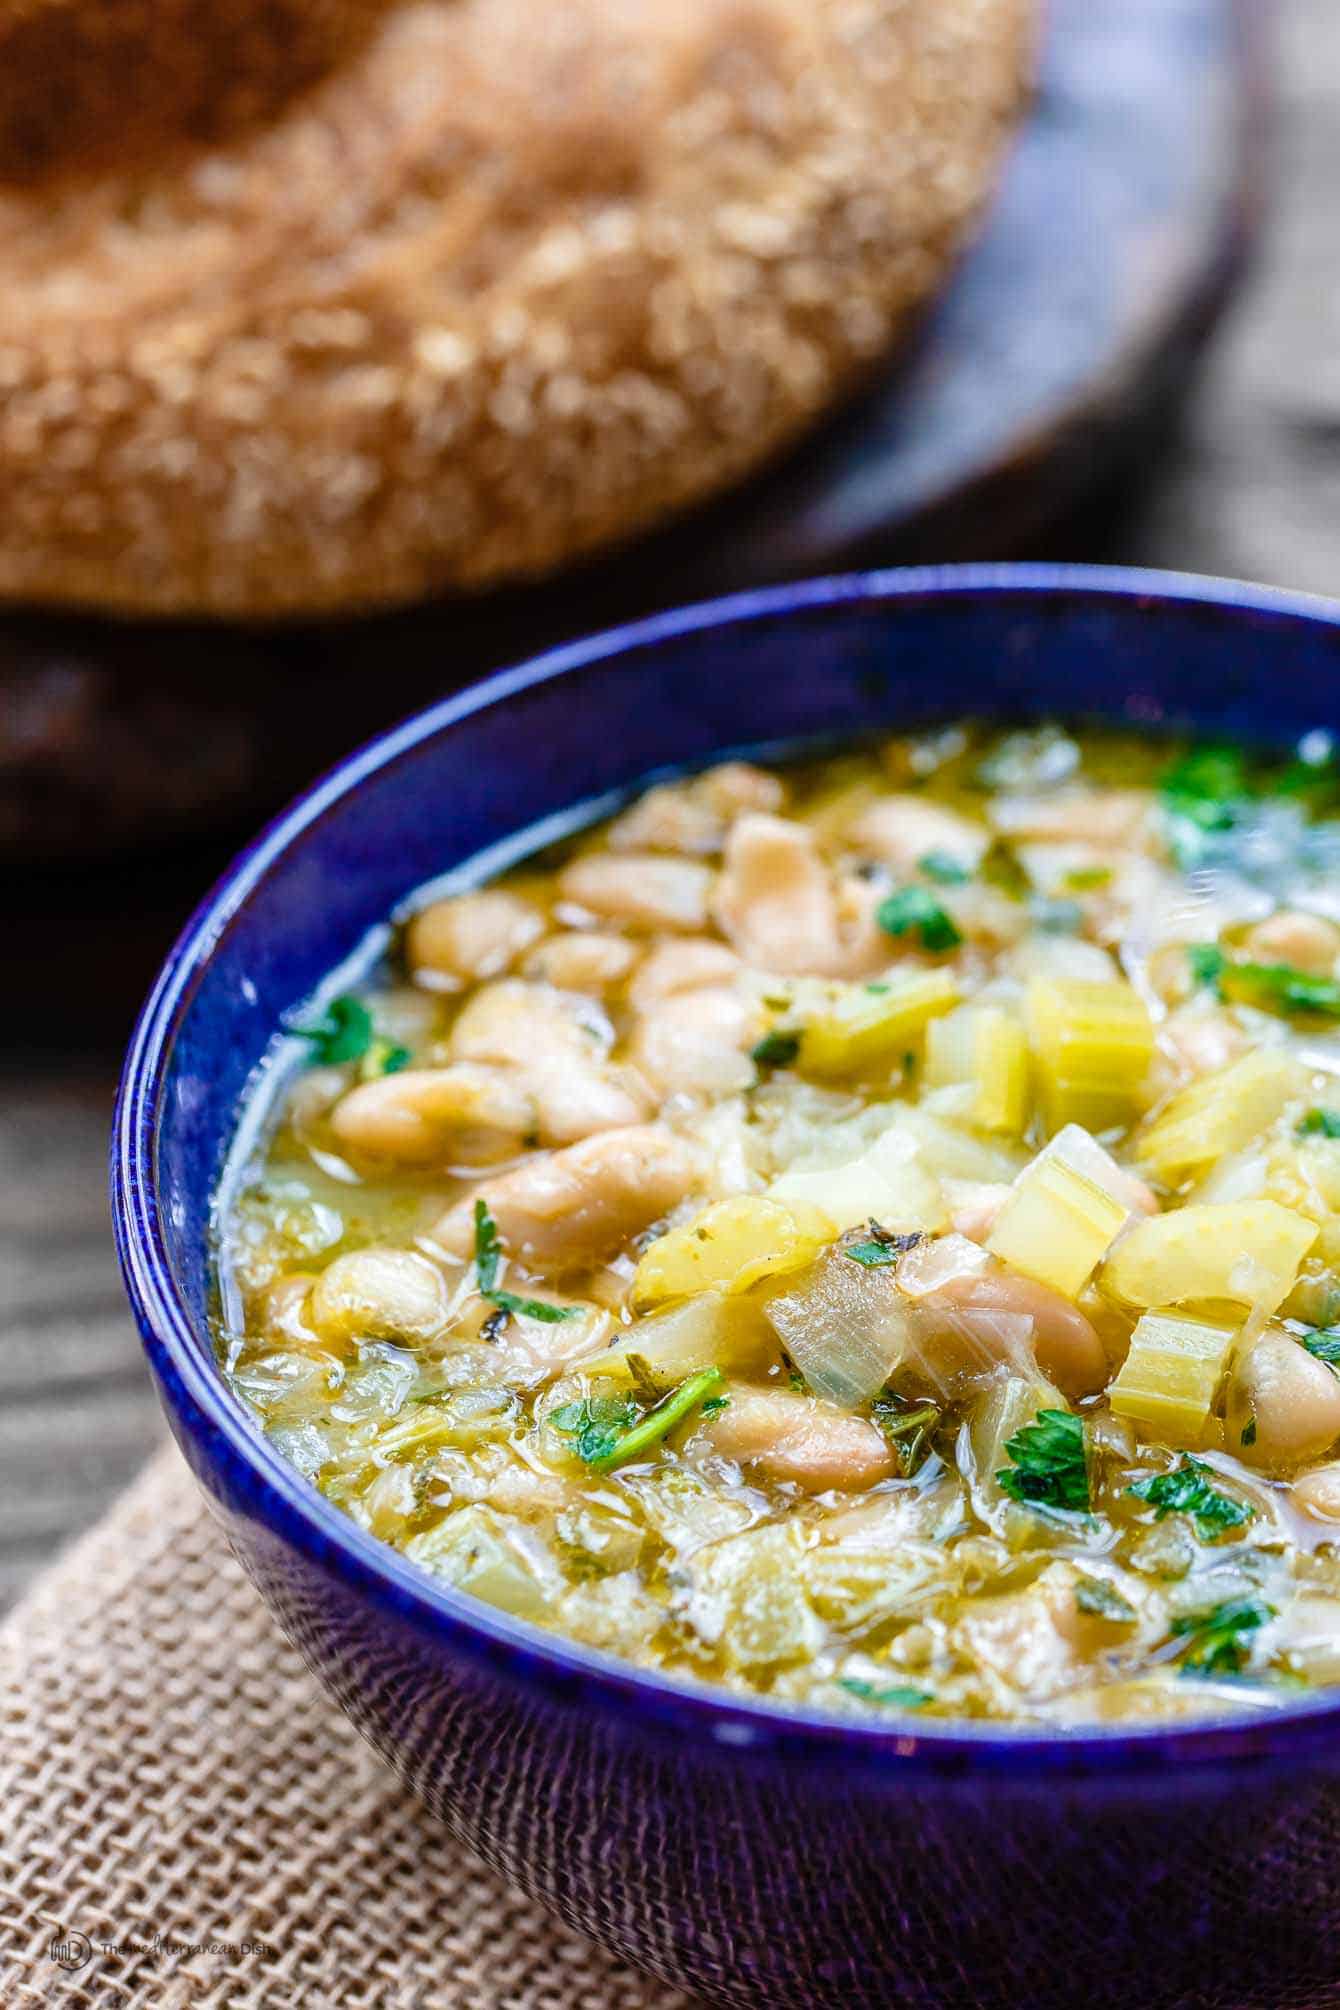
[{"x": 440, "y": 293}]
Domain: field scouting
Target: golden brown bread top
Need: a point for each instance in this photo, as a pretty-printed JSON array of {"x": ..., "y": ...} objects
[{"x": 447, "y": 291}]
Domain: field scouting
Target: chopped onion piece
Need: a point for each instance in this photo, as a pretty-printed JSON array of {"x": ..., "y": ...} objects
[
  {"x": 888, "y": 1183},
  {"x": 846, "y": 1329},
  {"x": 939, "y": 1261}
]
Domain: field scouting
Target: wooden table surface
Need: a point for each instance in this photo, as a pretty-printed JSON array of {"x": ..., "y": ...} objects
[{"x": 1251, "y": 489}]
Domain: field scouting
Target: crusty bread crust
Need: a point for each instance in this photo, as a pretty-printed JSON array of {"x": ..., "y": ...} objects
[{"x": 469, "y": 288}]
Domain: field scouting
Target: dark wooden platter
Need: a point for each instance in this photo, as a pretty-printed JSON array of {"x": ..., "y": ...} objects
[{"x": 1047, "y": 370}]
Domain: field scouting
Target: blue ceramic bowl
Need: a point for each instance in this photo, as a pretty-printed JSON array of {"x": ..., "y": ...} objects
[{"x": 758, "y": 1856}]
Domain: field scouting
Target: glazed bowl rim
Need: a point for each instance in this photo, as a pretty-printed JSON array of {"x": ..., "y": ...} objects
[{"x": 203, "y": 1406}]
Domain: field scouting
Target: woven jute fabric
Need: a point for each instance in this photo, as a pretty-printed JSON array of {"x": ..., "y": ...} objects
[{"x": 187, "y": 1822}]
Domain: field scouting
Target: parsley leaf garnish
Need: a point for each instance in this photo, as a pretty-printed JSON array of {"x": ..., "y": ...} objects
[
  {"x": 897, "y": 1696},
  {"x": 1189, "y": 1489},
  {"x": 1324, "y": 1343},
  {"x": 1218, "y": 1635},
  {"x": 714, "y": 1405},
  {"x": 777, "y": 1049},
  {"x": 915, "y": 910},
  {"x": 488, "y": 1255},
  {"x": 943, "y": 868},
  {"x": 1103, "y": 1601},
  {"x": 343, "y": 1034},
  {"x": 1049, "y": 1467},
  {"x": 607, "y": 1431},
  {"x": 1319, "y": 1123}
]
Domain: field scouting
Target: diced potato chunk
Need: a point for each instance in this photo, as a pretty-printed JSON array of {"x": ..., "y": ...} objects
[
  {"x": 709, "y": 1331},
  {"x": 982, "y": 1046},
  {"x": 1057, "y": 1224},
  {"x": 479, "y": 1551},
  {"x": 863, "y": 1026},
  {"x": 1218, "y": 1115},
  {"x": 730, "y": 1246},
  {"x": 1240, "y": 1253},
  {"x": 1093, "y": 1044},
  {"x": 746, "y": 1596},
  {"x": 1169, "y": 1379},
  {"x": 888, "y": 1183}
]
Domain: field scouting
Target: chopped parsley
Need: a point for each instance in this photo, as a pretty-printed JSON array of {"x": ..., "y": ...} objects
[
  {"x": 344, "y": 1033},
  {"x": 1270, "y": 987},
  {"x": 1247, "y": 1435},
  {"x": 383, "y": 1057},
  {"x": 914, "y": 910},
  {"x": 1218, "y": 1636},
  {"x": 714, "y": 1405},
  {"x": 1324, "y": 1343},
  {"x": 777, "y": 1049},
  {"x": 1050, "y": 1469},
  {"x": 1319, "y": 1123},
  {"x": 608, "y": 1431},
  {"x": 1189, "y": 1489},
  {"x": 882, "y": 1248},
  {"x": 1087, "y": 878},
  {"x": 595, "y": 1425},
  {"x": 1279, "y": 987},
  {"x": 488, "y": 1255},
  {"x": 1207, "y": 962},
  {"x": 1207, "y": 788},
  {"x": 1103, "y": 1601},
  {"x": 943, "y": 868},
  {"x": 907, "y": 1427},
  {"x": 896, "y": 1696}
]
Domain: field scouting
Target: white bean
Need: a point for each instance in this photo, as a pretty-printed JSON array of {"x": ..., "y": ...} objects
[
  {"x": 470, "y": 936},
  {"x": 1293, "y": 1398},
  {"x": 640, "y": 889},
  {"x": 379, "y": 1294},
  {"x": 800, "y": 1440},
  {"x": 580, "y": 1206}
]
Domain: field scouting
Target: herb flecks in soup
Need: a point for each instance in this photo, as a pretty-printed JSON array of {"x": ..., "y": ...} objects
[{"x": 868, "y": 1235}]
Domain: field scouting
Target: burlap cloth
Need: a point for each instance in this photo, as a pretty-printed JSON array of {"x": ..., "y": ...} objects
[{"x": 175, "y": 1788}]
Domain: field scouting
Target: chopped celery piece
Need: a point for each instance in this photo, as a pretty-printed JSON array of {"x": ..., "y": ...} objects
[
  {"x": 1217, "y": 1115},
  {"x": 1092, "y": 1044},
  {"x": 984, "y": 1047},
  {"x": 1057, "y": 1225},
  {"x": 1243, "y": 1252},
  {"x": 861, "y": 1026},
  {"x": 887, "y": 1183},
  {"x": 1171, "y": 1375},
  {"x": 730, "y": 1246}
]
